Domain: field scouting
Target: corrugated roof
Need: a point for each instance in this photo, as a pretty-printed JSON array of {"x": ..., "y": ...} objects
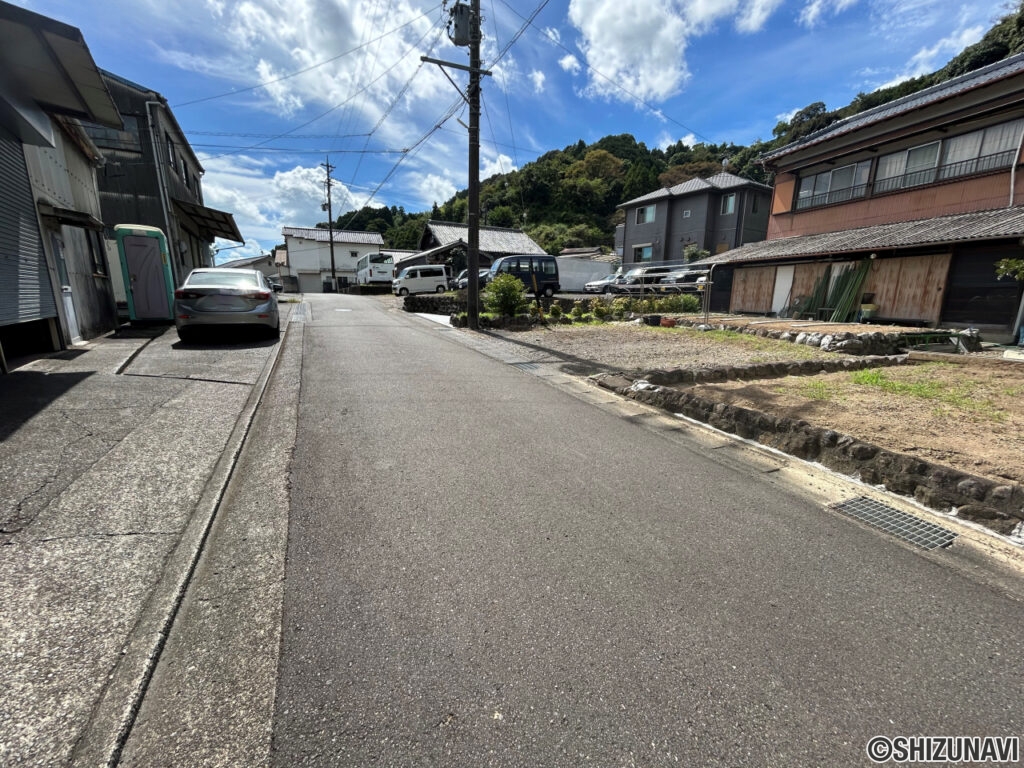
[
  {"x": 492, "y": 239},
  {"x": 340, "y": 235},
  {"x": 693, "y": 186},
  {"x": 1008, "y": 67},
  {"x": 963, "y": 227}
]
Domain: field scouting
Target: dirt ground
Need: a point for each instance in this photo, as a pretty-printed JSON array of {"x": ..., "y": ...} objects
[{"x": 967, "y": 414}]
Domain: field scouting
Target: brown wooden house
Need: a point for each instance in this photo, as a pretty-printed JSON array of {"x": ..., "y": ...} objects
[{"x": 925, "y": 189}]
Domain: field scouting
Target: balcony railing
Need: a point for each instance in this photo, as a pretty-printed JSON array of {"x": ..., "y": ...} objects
[{"x": 912, "y": 179}]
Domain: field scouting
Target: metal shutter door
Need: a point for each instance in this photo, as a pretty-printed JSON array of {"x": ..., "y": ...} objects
[{"x": 25, "y": 290}]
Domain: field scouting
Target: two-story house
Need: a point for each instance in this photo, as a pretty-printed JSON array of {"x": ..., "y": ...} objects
[
  {"x": 55, "y": 286},
  {"x": 924, "y": 189},
  {"x": 715, "y": 214},
  {"x": 309, "y": 268},
  {"x": 151, "y": 176}
]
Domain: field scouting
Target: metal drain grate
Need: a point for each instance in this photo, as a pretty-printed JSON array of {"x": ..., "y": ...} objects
[
  {"x": 525, "y": 366},
  {"x": 907, "y": 527}
]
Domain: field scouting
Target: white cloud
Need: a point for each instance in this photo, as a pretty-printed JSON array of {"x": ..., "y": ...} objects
[
  {"x": 666, "y": 140},
  {"x": 636, "y": 46},
  {"x": 500, "y": 164},
  {"x": 553, "y": 34},
  {"x": 570, "y": 64},
  {"x": 537, "y": 78},
  {"x": 815, "y": 10},
  {"x": 754, "y": 14},
  {"x": 430, "y": 188},
  {"x": 934, "y": 57}
]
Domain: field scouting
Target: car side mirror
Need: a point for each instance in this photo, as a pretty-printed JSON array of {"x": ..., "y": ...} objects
[{"x": 276, "y": 287}]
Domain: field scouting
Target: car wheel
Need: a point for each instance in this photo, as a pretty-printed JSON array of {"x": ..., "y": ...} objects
[
  {"x": 608, "y": 289},
  {"x": 440, "y": 289},
  {"x": 549, "y": 291},
  {"x": 403, "y": 291},
  {"x": 187, "y": 335}
]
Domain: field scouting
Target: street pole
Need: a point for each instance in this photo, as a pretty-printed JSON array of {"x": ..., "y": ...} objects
[
  {"x": 330, "y": 223},
  {"x": 473, "y": 257},
  {"x": 467, "y": 32}
]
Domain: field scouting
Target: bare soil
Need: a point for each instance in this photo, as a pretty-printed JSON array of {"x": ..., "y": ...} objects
[{"x": 967, "y": 414}]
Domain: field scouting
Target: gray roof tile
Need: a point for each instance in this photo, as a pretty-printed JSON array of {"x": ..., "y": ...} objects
[
  {"x": 340, "y": 235},
  {"x": 1008, "y": 67},
  {"x": 963, "y": 227}
]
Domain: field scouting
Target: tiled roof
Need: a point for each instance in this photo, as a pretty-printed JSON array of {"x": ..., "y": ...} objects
[
  {"x": 492, "y": 239},
  {"x": 340, "y": 235},
  {"x": 693, "y": 186},
  {"x": 1008, "y": 67},
  {"x": 962, "y": 227}
]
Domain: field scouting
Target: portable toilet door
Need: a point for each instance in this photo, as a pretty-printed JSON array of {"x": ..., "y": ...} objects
[{"x": 146, "y": 267}]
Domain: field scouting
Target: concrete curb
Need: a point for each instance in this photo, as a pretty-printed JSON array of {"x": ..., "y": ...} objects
[{"x": 114, "y": 714}]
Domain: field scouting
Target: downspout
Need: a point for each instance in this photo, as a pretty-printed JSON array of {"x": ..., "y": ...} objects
[
  {"x": 1013, "y": 170},
  {"x": 1013, "y": 189},
  {"x": 162, "y": 184}
]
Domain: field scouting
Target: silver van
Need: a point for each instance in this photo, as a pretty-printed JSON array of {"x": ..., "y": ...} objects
[{"x": 423, "y": 278}]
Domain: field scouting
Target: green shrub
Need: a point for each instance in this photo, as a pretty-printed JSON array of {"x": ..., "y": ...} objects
[
  {"x": 600, "y": 309},
  {"x": 506, "y": 295},
  {"x": 577, "y": 309},
  {"x": 555, "y": 310}
]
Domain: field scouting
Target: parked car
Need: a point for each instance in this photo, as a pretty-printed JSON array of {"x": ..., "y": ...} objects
[
  {"x": 604, "y": 285},
  {"x": 641, "y": 279},
  {"x": 453, "y": 282},
  {"x": 683, "y": 281},
  {"x": 225, "y": 297},
  {"x": 483, "y": 277},
  {"x": 538, "y": 273},
  {"x": 421, "y": 279}
]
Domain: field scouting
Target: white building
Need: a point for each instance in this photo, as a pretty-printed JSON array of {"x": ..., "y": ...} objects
[{"x": 308, "y": 268}]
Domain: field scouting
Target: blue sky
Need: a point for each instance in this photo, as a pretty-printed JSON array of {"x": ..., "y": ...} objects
[{"x": 265, "y": 89}]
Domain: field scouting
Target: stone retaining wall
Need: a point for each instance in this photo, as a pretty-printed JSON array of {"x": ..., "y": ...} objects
[{"x": 997, "y": 505}]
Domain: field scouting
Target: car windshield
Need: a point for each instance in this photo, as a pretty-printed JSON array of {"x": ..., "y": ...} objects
[
  {"x": 635, "y": 272},
  {"x": 232, "y": 279}
]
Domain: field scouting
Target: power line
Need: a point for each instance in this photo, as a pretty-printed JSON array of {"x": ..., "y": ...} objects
[{"x": 310, "y": 68}]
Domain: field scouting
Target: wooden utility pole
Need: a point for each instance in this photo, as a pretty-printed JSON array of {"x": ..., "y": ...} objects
[
  {"x": 465, "y": 30},
  {"x": 473, "y": 97},
  {"x": 330, "y": 222}
]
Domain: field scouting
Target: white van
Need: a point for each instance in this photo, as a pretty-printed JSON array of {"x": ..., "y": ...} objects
[{"x": 421, "y": 279}]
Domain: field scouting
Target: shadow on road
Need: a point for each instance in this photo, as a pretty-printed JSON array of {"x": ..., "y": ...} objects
[
  {"x": 575, "y": 366},
  {"x": 26, "y": 393}
]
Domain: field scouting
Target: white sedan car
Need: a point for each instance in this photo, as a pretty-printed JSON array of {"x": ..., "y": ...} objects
[{"x": 225, "y": 297}]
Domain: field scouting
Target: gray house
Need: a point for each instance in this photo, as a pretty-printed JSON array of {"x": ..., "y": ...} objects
[
  {"x": 714, "y": 214},
  {"x": 151, "y": 176}
]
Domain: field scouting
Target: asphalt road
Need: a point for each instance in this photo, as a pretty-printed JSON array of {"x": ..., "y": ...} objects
[{"x": 486, "y": 569}]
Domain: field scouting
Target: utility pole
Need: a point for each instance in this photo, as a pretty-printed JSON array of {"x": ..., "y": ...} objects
[
  {"x": 473, "y": 257},
  {"x": 330, "y": 221},
  {"x": 464, "y": 30}
]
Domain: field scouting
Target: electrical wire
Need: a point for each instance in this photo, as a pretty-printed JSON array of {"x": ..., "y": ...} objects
[{"x": 310, "y": 68}]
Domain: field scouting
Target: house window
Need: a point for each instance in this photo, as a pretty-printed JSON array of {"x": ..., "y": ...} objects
[
  {"x": 642, "y": 253},
  {"x": 170, "y": 151},
  {"x": 645, "y": 214},
  {"x": 975, "y": 152},
  {"x": 686, "y": 214},
  {"x": 729, "y": 204},
  {"x": 834, "y": 186},
  {"x": 354, "y": 254},
  {"x": 753, "y": 204},
  {"x": 99, "y": 262}
]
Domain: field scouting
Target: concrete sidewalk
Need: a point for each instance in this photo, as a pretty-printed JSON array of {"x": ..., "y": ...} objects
[{"x": 113, "y": 459}]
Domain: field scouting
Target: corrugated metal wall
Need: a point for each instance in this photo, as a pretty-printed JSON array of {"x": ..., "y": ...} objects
[{"x": 25, "y": 290}]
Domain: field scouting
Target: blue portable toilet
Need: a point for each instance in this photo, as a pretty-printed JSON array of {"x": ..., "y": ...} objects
[{"x": 146, "y": 267}]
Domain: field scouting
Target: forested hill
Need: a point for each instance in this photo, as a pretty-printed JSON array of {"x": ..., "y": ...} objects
[{"x": 568, "y": 197}]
